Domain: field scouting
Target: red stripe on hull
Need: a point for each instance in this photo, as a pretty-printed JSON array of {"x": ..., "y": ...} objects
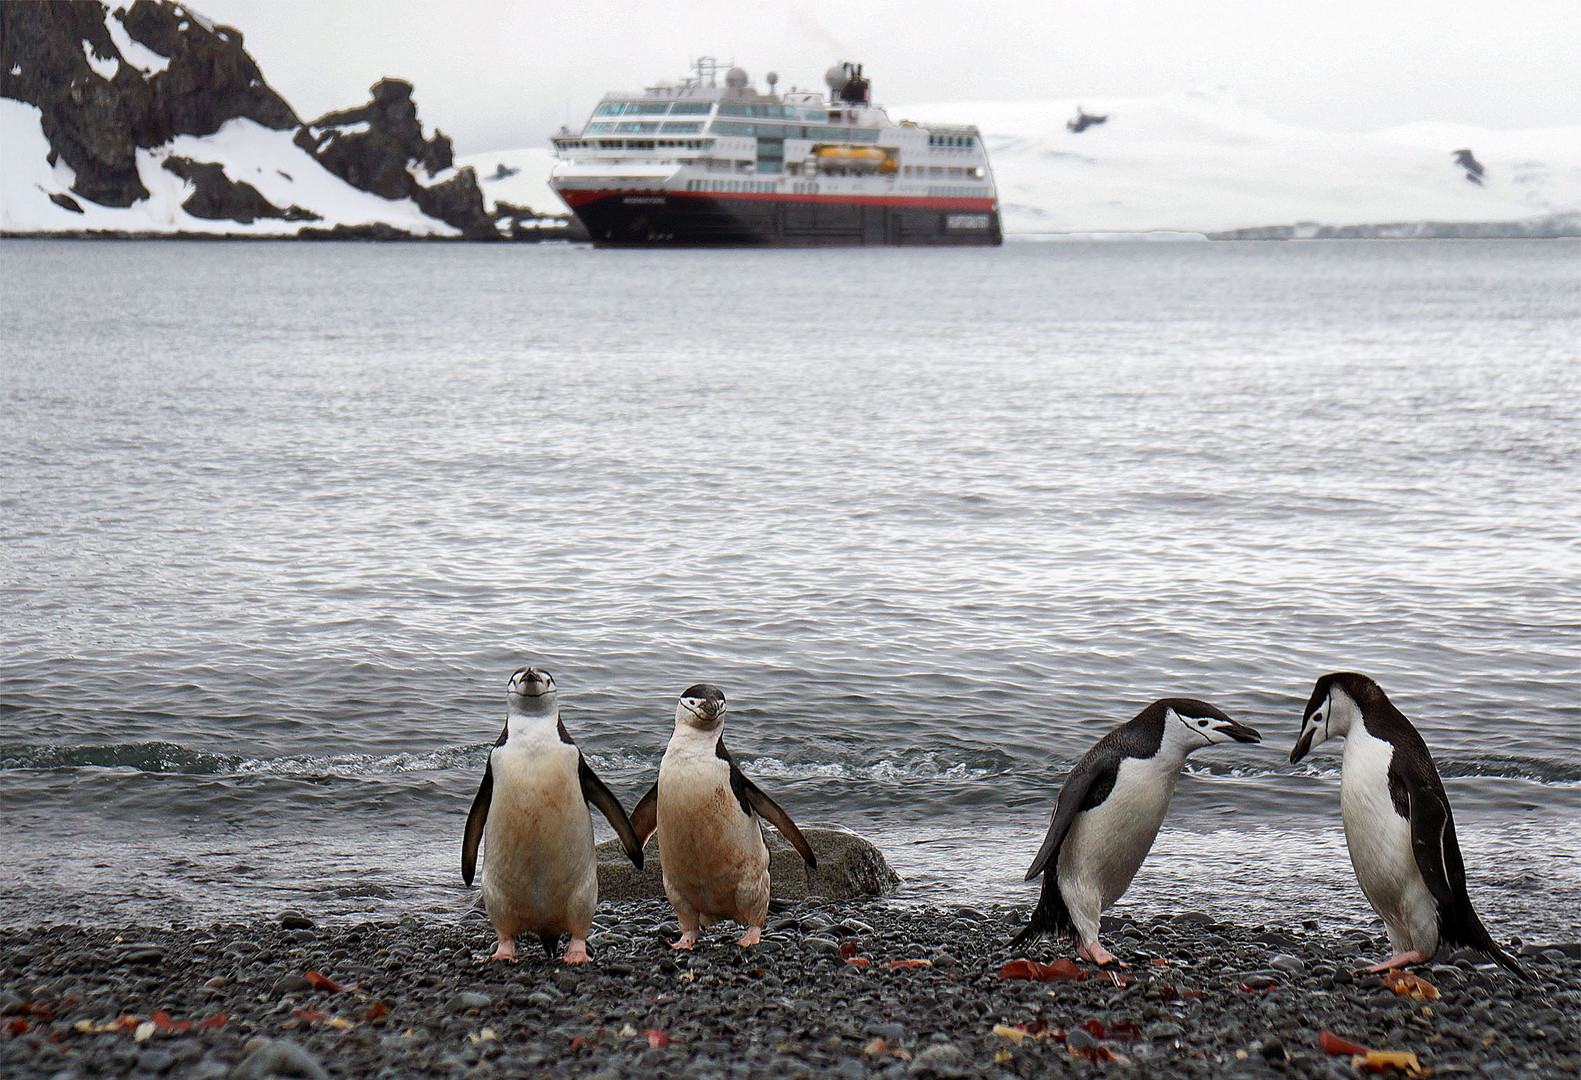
[{"x": 578, "y": 197}]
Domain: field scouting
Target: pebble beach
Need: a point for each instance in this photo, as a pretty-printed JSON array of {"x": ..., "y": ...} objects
[{"x": 861, "y": 988}]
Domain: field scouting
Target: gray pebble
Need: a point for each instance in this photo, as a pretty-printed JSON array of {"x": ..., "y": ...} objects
[
  {"x": 278, "y": 1057},
  {"x": 943, "y": 1060},
  {"x": 468, "y": 999},
  {"x": 294, "y": 920},
  {"x": 1290, "y": 965},
  {"x": 821, "y": 945}
]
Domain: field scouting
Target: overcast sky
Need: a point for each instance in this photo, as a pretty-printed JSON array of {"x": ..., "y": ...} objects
[{"x": 497, "y": 74}]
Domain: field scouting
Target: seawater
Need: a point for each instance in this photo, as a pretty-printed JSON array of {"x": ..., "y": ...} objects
[{"x": 280, "y": 519}]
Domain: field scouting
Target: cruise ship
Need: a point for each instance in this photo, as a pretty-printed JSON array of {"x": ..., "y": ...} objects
[{"x": 711, "y": 161}]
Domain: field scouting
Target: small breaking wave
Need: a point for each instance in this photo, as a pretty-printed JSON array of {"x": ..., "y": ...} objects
[{"x": 914, "y": 765}]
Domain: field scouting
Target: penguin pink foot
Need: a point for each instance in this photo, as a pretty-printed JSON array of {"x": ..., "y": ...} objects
[
  {"x": 506, "y": 950},
  {"x": 686, "y": 940},
  {"x": 1398, "y": 960},
  {"x": 751, "y": 937},
  {"x": 1095, "y": 953},
  {"x": 576, "y": 953}
]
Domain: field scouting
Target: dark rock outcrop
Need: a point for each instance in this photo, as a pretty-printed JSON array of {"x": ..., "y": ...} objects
[
  {"x": 1084, "y": 120},
  {"x": 210, "y": 78},
  {"x": 216, "y": 197},
  {"x": 43, "y": 62},
  {"x": 375, "y": 147},
  {"x": 96, "y": 124},
  {"x": 848, "y": 866},
  {"x": 1468, "y": 161}
]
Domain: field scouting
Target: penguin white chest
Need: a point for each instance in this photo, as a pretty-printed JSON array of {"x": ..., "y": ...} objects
[
  {"x": 1379, "y": 841},
  {"x": 1107, "y": 844},
  {"x": 539, "y": 869},
  {"x": 712, "y": 851}
]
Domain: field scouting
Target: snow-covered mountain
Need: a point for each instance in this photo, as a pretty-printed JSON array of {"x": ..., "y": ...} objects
[
  {"x": 1200, "y": 163},
  {"x": 153, "y": 120}
]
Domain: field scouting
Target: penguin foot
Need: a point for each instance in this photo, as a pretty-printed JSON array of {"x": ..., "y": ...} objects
[
  {"x": 506, "y": 951},
  {"x": 1096, "y": 953},
  {"x": 686, "y": 940},
  {"x": 751, "y": 937},
  {"x": 1398, "y": 960},
  {"x": 576, "y": 953}
]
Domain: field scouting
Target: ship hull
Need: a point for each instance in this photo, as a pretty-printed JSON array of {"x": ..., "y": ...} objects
[{"x": 677, "y": 219}]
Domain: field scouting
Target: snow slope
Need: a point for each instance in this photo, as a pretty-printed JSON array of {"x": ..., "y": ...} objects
[
  {"x": 1203, "y": 163},
  {"x": 529, "y": 186},
  {"x": 281, "y": 171}
]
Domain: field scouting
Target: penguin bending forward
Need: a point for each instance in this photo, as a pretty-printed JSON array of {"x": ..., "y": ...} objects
[
  {"x": 540, "y": 875},
  {"x": 1109, "y": 812},
  {"x": 1398, "y": 827},
  {"x": 711, "y": 850}
]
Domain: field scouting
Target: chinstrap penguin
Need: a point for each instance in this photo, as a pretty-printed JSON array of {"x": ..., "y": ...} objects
[
  {"x": 1109, "y": 812},
  {"x": 540, "y": 875},
  {"x": 711, "y": 851},
  {"x": 1398, "y": 826}
]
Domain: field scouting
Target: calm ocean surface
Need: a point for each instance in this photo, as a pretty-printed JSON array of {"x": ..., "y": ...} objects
[{"x": 278, "y": 520}]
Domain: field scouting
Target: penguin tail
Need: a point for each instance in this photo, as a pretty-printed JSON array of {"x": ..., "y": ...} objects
[
  {"x": 1476, "y": 935},
  {"x": 549, "y": 942},
  {"x": 1050, "y": 917}
]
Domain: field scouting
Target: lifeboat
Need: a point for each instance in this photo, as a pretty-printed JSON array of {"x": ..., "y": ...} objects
[{"x": 846, "y": 158}]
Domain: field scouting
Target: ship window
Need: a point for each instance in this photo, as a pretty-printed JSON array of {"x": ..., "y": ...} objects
[
  {"x": 609, "y": 108},
  {"x": 691, "y": 108},
  {"x": 647, "y": 108},
  {"x": 673, "y": 128},
  {"x": 636, "y": 127},
  {"x": 599, "y": 128}
]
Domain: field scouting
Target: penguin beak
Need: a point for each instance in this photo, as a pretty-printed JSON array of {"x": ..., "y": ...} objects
[
  {"x": 1241, "y": 733},
  {"x": 1303, "y": 744}
]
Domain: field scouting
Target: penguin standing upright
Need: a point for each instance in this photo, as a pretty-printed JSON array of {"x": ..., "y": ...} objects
[
  {"x": 1108, "y": 814},
  {"x": 540, "y": 875},
  {"x": 1398, "y": 827},
  {"x": 711, "y": 851}
]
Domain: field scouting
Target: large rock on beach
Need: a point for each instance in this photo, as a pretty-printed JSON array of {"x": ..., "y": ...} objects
[{"x": 848, "y": 866}]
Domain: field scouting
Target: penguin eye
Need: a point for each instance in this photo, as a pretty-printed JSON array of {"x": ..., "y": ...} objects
[{"x": 1202, "y": 723}]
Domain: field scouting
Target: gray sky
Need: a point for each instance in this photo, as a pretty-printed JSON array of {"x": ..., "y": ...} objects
[{"x": 495, "y": 74}]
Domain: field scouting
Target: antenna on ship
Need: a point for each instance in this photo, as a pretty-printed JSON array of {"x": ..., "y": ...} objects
[{"x": 772, "y": 78}]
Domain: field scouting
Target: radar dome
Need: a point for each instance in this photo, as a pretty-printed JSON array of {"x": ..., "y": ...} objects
[
  {"x": 736, "y": 78},
  {"x": 834, "y": 78}
]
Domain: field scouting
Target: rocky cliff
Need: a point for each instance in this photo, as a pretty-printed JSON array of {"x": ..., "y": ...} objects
[{"x": 110, "y": 117}]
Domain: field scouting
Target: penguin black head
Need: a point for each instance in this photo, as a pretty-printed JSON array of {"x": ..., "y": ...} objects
[
  {"x": 530, "y": 683},
  {"x": 1190, "y": 724},
  {"x": 701, "y": 706},
  {"x": 1338, "y": 700}
]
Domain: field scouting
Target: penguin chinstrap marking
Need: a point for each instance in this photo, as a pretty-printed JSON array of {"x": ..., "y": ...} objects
[
  {"x": 1109, "y": 812},
  {"x": 540, "y": 874},
  {"x": 711, "y": 851},
  {"x": 1398, "y": 826}
]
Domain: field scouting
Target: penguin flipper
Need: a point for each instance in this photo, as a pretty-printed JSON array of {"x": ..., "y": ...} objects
[
  {"x": 751, "y": 797},
  {"x": 773, "y": 813},
  {"x": 1433, "y": 846},
  {"x": 645, "y": 815},
  {"x": 595, "y": 792},
  {"x": 479, "y": 814},
  {"x": 476, "y": 818},
  {"x": 1088, "y": 785}
]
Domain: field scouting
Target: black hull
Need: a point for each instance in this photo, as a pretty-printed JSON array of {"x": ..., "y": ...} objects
[{"x": 654, "y": 220}]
